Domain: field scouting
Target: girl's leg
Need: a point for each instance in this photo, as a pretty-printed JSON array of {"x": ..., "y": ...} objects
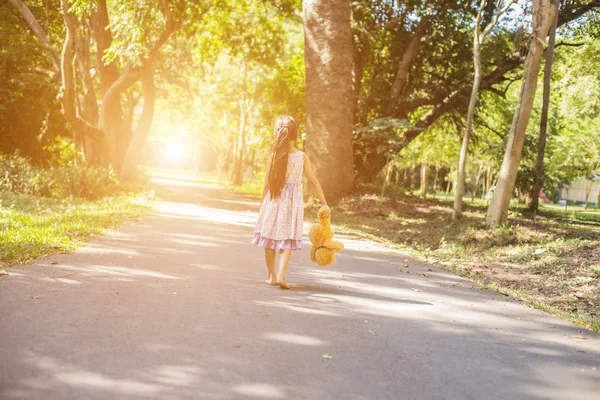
[
  {"x": 270, "y": 259},
  {"x": 284, "y": 260}
]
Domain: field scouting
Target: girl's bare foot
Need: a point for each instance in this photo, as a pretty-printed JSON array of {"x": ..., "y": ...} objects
[
  {"x": 271, "y": 280},
  {"x": 283, "y": 284}
]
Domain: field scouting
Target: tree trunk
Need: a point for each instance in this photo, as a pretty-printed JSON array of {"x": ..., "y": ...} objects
[
  {"x": 588, "y": 190},
  {"x": 79, "y": 126},
  {"x": 238, "y": 163},
  {"x": 478, "y": 37},
  {"x": 252, "y": 162},
  {"x": 475, "y": 182},
  {"x": 462, "y": 163},
  {"x": 424, "y": 180},
  {"x": 543, "y": 13},
  {"x": 226, "y": 161},
  {"x": 237, "y": 176},
  {"x": 386, "y": 180},
  {"x": 90, "y": 102},
  {"x": 488, "y": 182},
  {"x": 538, "y": 176},
  {"x": 411, "y": 186},
  {"x": 109, "y": 73},
  {"x": 329, "y": 93},
  {"x": 138, "y": 140},
  {"x": 360, "y": 58},
  {"x": 407, "y": 59},
  {"x": 484, "y": 183},
  {"x": 435, "y": 179}
]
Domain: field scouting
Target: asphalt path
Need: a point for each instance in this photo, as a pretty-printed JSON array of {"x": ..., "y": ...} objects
[{"x": 175, "y": 307}]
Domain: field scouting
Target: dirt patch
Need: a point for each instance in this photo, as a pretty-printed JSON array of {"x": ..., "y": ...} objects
[{"x": 551, "y": 262}]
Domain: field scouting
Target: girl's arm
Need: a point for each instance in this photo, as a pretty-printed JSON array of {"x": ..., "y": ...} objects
[
  {"x": 265, "y": 188},
  {"x": 312, "y": 178}
]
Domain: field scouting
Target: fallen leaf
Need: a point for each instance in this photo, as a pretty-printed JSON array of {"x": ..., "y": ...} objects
[
  {"x": 577, "y": 337},
  {"x": 429, "y": 269},
  {"x": 35, "y": 297},
  {"x": 372, "y": 333},
  {"x": 54, "y": 262},
  {"x": 326, "y": 356},
  {"x": 425, "y": 275},
  {"x": 405, "y": 265},
  {"x": 416, "y": 290},
  {"x": 3, "y": 272}
]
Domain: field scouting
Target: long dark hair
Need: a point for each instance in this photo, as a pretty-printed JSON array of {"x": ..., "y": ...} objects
[{"x": 286, "y": 130}]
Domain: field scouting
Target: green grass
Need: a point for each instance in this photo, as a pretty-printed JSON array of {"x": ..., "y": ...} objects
[
  {"x": 32, "y": 227},
  {"x": 251, "y": 188}
]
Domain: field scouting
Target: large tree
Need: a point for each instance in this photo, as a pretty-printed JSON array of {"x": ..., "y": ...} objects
[
  {"x": 329, "y": 93},
  {"x": 538, "y": 178},
  {"x": 437, "y": 84},
  {"x": 478, "y": 37},
  {"x": 543, "y": 13},
  {"x": 98, "y": 118}
]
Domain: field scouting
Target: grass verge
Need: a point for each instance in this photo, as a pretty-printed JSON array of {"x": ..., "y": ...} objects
[
  {"x": 550, "y": 263},
  {"x": 32, "y": 227}
]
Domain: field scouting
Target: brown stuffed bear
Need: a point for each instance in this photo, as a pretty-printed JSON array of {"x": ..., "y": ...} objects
[{"x": 321, "y": 234}]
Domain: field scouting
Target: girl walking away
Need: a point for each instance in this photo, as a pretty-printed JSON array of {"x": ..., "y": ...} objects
[{"x": 279, "y": 225}]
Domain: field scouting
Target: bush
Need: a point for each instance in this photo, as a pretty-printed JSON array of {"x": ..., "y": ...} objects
[{"x": 70, "y": 179}]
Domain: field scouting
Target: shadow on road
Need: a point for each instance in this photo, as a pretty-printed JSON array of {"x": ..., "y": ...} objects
[{"x": 174, "y": 307}]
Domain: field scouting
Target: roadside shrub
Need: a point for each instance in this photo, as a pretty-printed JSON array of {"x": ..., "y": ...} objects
[{"x": 69, "y": 179}]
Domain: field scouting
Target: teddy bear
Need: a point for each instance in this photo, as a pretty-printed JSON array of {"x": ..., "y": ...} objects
[{"x": 320, "y": 235}]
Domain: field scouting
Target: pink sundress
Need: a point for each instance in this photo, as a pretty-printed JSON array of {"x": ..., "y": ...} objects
[{"x": 279, "y": 224}]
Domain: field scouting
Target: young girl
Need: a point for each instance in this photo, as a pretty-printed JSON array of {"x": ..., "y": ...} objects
[{"x": 279, "y": 226}]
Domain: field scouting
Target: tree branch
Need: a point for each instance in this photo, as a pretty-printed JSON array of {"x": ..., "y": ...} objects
[
  {"x": 79, "y": 125},
  {"x": 407, "y": 59},
  {"x": 497, "y": 92},
  {"x": 499, "y": 13},
  {"x": 569, "y": 44},
  {"x": 100, "y": 25},
  {"x": 38, "y": 31},
  {"x": 131, "y": 75},
  {"x": 569, "y": 15}
]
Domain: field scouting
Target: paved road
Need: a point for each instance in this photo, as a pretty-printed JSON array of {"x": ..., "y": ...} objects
[{"x": 174, "y": 307}]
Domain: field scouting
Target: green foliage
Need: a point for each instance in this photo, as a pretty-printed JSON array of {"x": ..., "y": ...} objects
[
  {"x": 70, "y": 179},
  {"x": 381, "y": 136},
  {"x": 246, "y": 59},
  {"x": 29, "y": 112}
]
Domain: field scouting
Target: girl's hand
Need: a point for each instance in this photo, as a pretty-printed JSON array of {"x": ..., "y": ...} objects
[{"x": 326, "y": 209}]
